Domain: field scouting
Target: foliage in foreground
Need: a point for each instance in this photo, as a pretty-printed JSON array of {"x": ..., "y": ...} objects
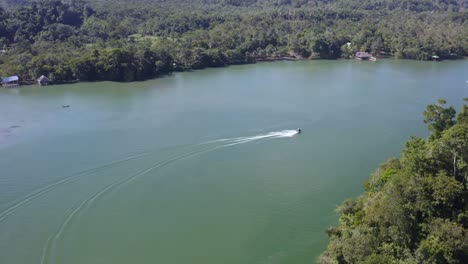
[
  {"x": 415, "y": 209},
  {"x": 124, "y": 40}
]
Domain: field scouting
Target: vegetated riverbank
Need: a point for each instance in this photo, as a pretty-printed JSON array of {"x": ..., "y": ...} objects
[
  {"x": 176, "y": 69},
  {"x": 414, "y": 209},
  {"x": 120, "y": 41},
  {"x": 252, "y": 61}
]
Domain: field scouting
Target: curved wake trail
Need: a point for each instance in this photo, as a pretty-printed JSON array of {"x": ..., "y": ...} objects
[
  {"x": 35, "y": 194},
  {"x": 231, "y": 142},
  {"x": 276, "y": 134},
  {"x": 52, "y": 239},
  {"x": 59, "y": 232},
  {"x": 11, "y": 210},
  {"x": 50, "y": 244}
]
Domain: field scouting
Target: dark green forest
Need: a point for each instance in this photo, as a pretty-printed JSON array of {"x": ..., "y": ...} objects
[
  {"x": 415, "y": 208},
  {"x": 140, "y": 39}
]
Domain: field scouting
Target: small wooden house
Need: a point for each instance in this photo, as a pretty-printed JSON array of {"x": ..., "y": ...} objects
[
  {"x": 362, "y": 55},
  {"x": 43, "y": 80},
  {"x": 11, "y": 81}
]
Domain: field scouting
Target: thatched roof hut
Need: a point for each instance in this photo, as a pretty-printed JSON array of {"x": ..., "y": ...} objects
[
  {"x": 361, "y": 55},
  {"x": 43, "y": 80}
]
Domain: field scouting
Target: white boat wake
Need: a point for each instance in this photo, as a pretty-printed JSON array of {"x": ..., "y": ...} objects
[
  {"x": 276, "y": 134},
  {"x": 227, "y": 142},
  {"x": 50, "y": 245},
  {"x": 186, "y": 151}
]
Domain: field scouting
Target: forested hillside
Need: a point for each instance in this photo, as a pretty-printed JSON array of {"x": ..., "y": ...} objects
[
  {"x": 415, "y": 208},
  {"x": 134, "y": 40}
]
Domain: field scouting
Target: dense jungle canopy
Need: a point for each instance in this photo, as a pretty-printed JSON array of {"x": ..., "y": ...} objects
[
  {"x": 415, "y": 208},
  {"x": 135, "y": 40}
]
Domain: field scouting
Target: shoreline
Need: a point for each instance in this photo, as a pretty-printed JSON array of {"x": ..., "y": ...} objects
[
  {"x": 280, "y": 58},
  {"x": 254, "y": 60}
]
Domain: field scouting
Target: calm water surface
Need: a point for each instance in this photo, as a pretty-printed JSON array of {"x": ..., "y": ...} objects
[{"x": 186, "y": 169}]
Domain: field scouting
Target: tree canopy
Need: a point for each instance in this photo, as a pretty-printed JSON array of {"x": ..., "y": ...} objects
[
  {"x": 415, "y": 208},
  {"x": 94, "y": 40}
]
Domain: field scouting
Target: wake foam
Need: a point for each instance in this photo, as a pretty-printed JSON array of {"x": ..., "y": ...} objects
[{"x": 275, "y": 134}]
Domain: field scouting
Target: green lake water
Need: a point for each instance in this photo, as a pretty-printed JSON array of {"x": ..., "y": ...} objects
[{"x": 199, "y": 167}]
